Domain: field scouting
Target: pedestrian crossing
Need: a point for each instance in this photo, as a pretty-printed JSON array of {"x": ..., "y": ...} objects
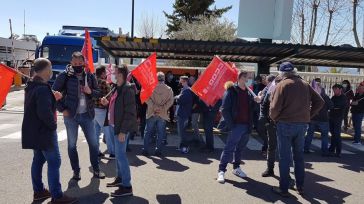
[{"x": 8, "y": 134}]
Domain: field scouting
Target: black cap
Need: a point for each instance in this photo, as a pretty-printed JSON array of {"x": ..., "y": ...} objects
[{"x": 339, "y": 86}]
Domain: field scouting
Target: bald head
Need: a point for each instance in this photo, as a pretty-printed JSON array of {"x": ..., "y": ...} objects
[{"x": 43, "y": 68}]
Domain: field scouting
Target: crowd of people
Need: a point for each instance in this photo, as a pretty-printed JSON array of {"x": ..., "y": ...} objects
[{"x": 284, "y": 109}]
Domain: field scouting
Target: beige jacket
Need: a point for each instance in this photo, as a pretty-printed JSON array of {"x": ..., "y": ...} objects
[{"x": 160, "y": 101}]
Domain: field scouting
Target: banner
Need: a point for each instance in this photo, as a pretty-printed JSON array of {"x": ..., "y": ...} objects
[
  {"x": 146, "y": 74},
  {"x": 6, "y": 80},
  {"x": 87, "y": 53},
  {"x": 210, "y": 85},
  {"x": 109, "y": 72}
]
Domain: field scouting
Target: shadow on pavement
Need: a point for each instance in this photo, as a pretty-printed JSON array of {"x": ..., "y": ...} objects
[
  {"x": 167, "y": 199},
  {"x": 315, "y": 192},
  {"x": 169, "y": 165},
  {"x": 88, "y": 194},
  {"x": 131, "y": 200},
  {"x": 260, "y": 190}
]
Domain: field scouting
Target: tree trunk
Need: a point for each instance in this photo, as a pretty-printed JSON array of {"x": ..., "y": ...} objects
[
  {"x": 302, "y": 28},
  {"x": 314, "y": 25},
  {"x": 329, "y": 27},
  {"x": 357, "y": 41}
]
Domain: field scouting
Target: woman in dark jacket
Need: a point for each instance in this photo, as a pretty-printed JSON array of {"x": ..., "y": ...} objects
[
  {"x": 123, "y": 117},
  {"x": 348, "y": 92},
  {"x": 357, "y": 111}
]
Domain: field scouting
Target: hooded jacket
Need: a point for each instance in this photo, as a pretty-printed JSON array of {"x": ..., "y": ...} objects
[
  {"x": 161, "y": 99},
  {"x": 230, "y": 106},
  {"x": 39, "y": 122}
]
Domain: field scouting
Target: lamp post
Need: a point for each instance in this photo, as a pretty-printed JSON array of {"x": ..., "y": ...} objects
[{"x": 132, "y": 25}]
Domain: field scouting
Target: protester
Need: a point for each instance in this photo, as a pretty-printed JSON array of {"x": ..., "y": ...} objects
[
  {"x": 208, "y": 117},
  {"x": 157, "y": 114},
  {"x": 357, "y": 112},
  {"x": 79, "y": 88},
  {"x": 258, "y": 87},
  {"x": 123, "y": 117},
  {"x": 293, "y": 104},
  {"x": 336, "y": 118},
  {"x": 171, "y": 82},
  {"x": 39, "y": 133},
  {"x": 348, "y": 92},
  {"x": 270, "y": 125},
  {"x": 100, "y": 110},
  {"x": 184, "y": 109},
  {"x": 262, "y": 120},
  {"x": 320, "y": 122},
  {"x": 195, "y": 116},
  {"x": 237, "y": 110}
]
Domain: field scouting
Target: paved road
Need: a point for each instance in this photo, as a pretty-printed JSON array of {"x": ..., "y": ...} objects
[{"x": 177, "y": 178}]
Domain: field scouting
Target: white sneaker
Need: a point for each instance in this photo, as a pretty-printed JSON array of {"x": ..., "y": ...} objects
[
  {"x": 221, "y": 177},
  {"x": 239, "y": 172}
]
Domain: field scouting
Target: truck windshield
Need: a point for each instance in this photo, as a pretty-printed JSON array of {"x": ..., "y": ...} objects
[{"x": 59, "y": 54}]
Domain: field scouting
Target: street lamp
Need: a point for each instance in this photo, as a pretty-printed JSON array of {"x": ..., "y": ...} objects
[{"x": 132, "y": 25}]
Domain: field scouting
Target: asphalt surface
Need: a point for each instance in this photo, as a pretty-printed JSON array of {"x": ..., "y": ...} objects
[{"x": 176, "y": 178}]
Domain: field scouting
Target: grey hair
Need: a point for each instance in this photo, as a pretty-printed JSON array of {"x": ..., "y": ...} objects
[{"x": 160, "y": 76}]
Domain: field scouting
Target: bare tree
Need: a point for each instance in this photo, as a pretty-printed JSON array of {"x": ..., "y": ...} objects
[
  {"x": 150, "y": 27},
  {"x": 314, "y": 5},
  {"x": 332, "y": 7},
  {"x": 355, "y": 7}
]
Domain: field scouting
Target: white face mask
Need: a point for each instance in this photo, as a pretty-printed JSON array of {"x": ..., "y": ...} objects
[{"x": 113, "y": 78}]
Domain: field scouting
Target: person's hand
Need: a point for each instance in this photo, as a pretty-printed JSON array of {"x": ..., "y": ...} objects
[
  {"x": 66, "y": 113},
  {"x": 57, "y": 95},
  {"x": 121, "y": 137},
  {"x": 257, "y": 99},
  {"x": 87, "y": 90},
  {"x": 354, "y": 103},
  {"x": 104, "y": 101}
]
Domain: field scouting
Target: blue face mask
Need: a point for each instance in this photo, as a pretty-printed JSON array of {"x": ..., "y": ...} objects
[{"x": 249, "y": 82}]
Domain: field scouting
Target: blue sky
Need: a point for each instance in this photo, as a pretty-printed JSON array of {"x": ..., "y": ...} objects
[{"x": 44, "y": 16}]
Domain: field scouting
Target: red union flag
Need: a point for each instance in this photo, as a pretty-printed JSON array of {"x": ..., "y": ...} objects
[
  {"x": 6, "y": 80},
  {"x": 87, "y": 53},
  {"x": 146, "y": 74},
  {"x": 210, "y": 86}
]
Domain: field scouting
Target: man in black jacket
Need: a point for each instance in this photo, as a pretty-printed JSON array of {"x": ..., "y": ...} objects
[
  {"x": 79, "y": 89},
  {"x": 336, "y": 117},
  {"x": 39, "y": 133},
  {"x": 320, "y": 122}
]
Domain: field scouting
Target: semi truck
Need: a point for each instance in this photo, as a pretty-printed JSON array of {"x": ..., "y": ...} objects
[{"x": 59, "y": 48}]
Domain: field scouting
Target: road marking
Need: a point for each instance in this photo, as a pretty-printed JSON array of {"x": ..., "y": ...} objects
[
  {"x": 357, "y": 147},
  {"x": 15, "y": 135},
  {"x": 317, "y": 143},
  {"x": 254, "y": 144},
  {"x": 6, "y": 126}
]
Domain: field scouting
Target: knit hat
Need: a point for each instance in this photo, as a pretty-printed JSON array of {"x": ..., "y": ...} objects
[{"x": 286, "y": 67}]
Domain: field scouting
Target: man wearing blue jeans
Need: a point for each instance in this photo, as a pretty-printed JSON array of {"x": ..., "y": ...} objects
[
  {"x": 157, "y": 114},
  {"x": 357, "y": 112},
  {"x": 184, "y": 111},
  {"x": 79, "y": 88},
  {"x": 237, "y": 110},
  {"x": 292, "y": 106},
  {"x": 320, "y": 121},
  {"x": 39, "y": 133}
]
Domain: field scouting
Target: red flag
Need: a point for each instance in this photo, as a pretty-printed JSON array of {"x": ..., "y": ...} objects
[
  {"x": 109, "y": 72},
  {"x": 6, "y": 80},
  {"x": 146, "y": 74},
  {"x": 210, "y": 86},
  {"x": 87, "y": 53}
]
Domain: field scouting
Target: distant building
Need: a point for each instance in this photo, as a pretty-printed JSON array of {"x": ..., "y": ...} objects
[{"x": 23, "y": 50}]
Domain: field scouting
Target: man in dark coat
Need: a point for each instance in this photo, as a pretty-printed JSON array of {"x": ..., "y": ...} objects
[
  {"x": 79, "y": 89},
  {"x": 39, "y": 133}
]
